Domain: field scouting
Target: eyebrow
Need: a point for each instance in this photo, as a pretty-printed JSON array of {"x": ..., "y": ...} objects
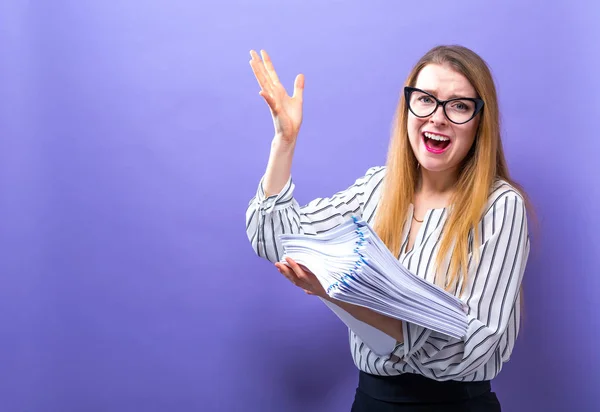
[{"x": 454, "y": 96}]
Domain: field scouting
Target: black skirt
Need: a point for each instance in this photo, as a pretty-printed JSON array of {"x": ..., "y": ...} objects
[{"x": 415, "y": 393}]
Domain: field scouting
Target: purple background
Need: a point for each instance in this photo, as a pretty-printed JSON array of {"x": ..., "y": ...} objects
[{"x": 132, "y": 138}]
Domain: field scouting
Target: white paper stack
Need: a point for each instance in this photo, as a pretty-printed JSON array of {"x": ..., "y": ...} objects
[{"x": 354, "y": 265}]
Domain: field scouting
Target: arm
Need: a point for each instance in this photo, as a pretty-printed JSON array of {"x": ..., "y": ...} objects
[
  {"x": 274, "y": 211},
  {"x": 381, "y": 333},
  {"x": 268, "y": 217},
  {"x": 390, "y": 326},
  {"x": 491, "y": 296},
  {"x": 279, "y": 167}
]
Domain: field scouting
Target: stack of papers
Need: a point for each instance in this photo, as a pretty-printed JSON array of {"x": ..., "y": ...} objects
[{"x": 354, "y": 265}]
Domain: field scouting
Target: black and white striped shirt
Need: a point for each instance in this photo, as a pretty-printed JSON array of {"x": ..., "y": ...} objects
[{"x": 492, "y": 292}]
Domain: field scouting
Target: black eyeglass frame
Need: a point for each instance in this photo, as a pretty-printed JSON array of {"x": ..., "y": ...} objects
[{"x": 408, "y": 91}]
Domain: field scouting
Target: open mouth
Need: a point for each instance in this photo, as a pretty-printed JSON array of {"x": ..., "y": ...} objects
[{"x": 436, "y": 143}]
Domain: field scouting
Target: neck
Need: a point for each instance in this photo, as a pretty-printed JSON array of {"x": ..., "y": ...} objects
[{"x": 437, "y": 183}]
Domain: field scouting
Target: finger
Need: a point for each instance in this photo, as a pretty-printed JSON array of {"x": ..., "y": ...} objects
[
  {"x": 254, "y": 55},
  {"x": 294, "y": 278},
  {"x": 283, "y": 269},
  {"x": 299, "y": 87},
  {"x": 293, "y": 265},
  {"x": 259, "y": 73},
  {"x": 288, "y": 273},
  {"x": 270, "y": 101},
  {"x": 304, "y": 268},
  {"x": 299, "y": 272},
  {"x": 269, "y": 67}
]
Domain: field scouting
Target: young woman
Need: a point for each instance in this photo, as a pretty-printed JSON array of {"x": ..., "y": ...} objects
[{"x": 443, "y": 203}]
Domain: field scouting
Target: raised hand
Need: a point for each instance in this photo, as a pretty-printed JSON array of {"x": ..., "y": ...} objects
[{"x": 286, "y": 110}]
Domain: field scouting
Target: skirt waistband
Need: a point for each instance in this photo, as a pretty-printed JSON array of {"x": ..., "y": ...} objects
[{"x": 413, "y": 388}]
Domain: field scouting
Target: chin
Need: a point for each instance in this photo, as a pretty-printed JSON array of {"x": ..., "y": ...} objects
[
  {"x": 435, "y": 168},
  {"x": 435, "y": 165}
]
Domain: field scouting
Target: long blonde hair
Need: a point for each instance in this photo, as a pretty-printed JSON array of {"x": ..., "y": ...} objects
[{"x": 484, "y": 163}]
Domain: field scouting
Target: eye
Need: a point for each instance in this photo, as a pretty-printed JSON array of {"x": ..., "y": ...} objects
[
  {"x": 461, "y": 106},
  {"x": 425, "y": 99}
]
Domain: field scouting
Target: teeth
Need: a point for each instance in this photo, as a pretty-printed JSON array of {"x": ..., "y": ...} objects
[{"x": 436, "y": 137}]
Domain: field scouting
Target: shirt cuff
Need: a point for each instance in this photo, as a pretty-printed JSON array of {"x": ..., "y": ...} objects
[{"x": 268, "y": 204}]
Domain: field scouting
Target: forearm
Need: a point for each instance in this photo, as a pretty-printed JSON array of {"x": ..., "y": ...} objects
[
  {"x": 386, "y": 324},
  {"x": 279, "y": 167}
]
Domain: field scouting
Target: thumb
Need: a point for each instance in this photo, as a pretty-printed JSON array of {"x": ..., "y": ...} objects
[{"x": 299, "y": 87}]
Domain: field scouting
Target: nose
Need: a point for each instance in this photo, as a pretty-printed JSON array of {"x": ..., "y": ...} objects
[{"x": 438, "y": 117}]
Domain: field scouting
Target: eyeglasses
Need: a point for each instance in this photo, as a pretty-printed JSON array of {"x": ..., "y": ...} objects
[{"x": 459, "y": 110}]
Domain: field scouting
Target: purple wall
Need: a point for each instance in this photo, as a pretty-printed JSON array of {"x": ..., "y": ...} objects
[{"x": 132, "y": 138}]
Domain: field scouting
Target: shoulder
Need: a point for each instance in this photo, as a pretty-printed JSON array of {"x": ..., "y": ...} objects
[
  {"x": 373, "y": 176},
  {"x": 375, "y": 171},
  {"x": 368, "y": 185},
  {"x": 501, "y": 193}
]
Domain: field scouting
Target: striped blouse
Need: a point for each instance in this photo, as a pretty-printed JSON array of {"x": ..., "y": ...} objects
[{"x": 492, "y": 293}]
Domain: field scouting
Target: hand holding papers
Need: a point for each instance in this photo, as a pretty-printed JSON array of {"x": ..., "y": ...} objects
[{"x": 353, "y": 265}]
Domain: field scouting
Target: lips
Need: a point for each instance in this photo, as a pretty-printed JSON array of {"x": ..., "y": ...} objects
[{"x": 436, "y": 143}]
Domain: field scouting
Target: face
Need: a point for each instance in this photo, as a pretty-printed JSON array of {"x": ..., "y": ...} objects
[{"x": 438, "y": 144}]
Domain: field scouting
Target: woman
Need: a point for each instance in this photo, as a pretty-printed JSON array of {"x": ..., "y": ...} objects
[{"x": 444, "y": 204}]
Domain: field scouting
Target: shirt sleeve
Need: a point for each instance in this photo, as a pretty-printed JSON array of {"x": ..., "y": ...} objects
[
  {"x": 494, "y": 286},
  {"x": 269, "y": 217}
]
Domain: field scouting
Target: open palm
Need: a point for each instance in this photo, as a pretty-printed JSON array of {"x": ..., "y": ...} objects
[{"x": 286, "y": 110}]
